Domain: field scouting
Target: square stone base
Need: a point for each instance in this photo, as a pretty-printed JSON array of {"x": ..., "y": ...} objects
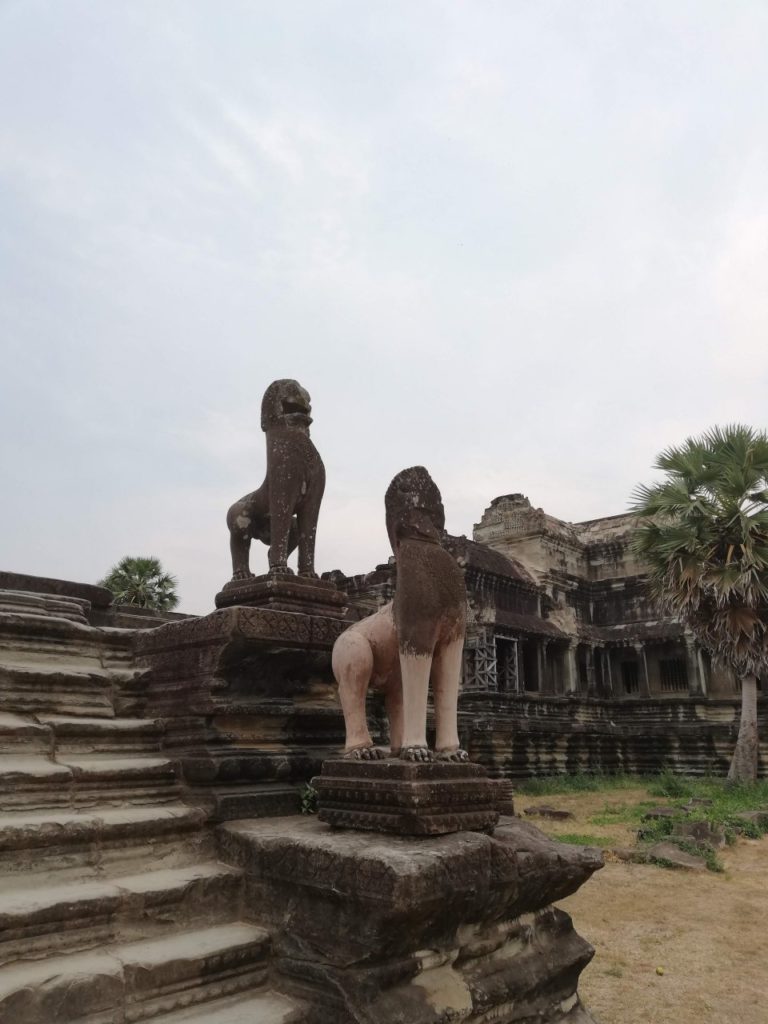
[
  {"x": 406, "y": 797},
  {"x": 285, "y": 592}
]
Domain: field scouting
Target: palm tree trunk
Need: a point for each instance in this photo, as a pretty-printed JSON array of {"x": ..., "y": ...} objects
[{"x": 744, "y": 764}]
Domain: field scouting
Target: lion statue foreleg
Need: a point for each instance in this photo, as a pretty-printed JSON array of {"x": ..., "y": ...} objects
[
  {"x": 352, "y": 663},
  {"x": 307, "y": 515},
  {"x": 249, "y": 519},
  {"x": 366, "y": 654},
  {"x": 245, "y": 519},
  {"x": 446, "y": 679},
  {"x": 415, "y": 670},
  {"x": 282, "y": 504}
]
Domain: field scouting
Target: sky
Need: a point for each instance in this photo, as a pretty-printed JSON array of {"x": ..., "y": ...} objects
[{"x": 521, "y": 242}]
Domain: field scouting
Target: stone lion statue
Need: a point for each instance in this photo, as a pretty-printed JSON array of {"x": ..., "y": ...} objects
[
  {"x": 417, "y": 637},
  {"x": 283, "y": 512}
]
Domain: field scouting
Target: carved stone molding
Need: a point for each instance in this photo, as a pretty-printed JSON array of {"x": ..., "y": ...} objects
[{"x": 406, "y": 798}]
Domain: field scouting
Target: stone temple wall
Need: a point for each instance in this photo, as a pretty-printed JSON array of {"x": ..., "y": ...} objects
[{"x": 519, "y": 737}]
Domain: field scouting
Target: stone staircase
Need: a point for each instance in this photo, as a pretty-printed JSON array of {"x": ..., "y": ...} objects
[{"x": 113, "y": 905}]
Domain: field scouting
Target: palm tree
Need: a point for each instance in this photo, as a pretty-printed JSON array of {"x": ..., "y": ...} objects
[
  {"x": 704, "y": 536},
  {"x": 142, "y": 581}
]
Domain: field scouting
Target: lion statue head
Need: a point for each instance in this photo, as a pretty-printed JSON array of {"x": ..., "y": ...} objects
[
  {"x": 414, "y": 508},
  {"x": 285, "y": 404}
]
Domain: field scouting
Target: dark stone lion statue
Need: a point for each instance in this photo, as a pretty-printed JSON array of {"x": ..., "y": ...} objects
[{"x": 283, "y": 512}]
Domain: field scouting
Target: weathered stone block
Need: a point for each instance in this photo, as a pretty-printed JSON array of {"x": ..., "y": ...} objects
[
  {"x": 459, "y": 927},
  {"x": 674, "y": 855},
  {"x": 553, "y": 813},
  {"x": 702, "y": 833},
  {"x": 284, "y": 592},
  {"x": 406, "y": 797}
]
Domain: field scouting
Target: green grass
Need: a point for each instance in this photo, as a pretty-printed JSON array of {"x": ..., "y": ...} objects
[
  {"x": 550, "y": 785},
  {"x": 667, "y": 789},
  {"x": 728, "y": 800},
  {"x": 583, "y": 839},
  {"x": 623, "y": 814}
]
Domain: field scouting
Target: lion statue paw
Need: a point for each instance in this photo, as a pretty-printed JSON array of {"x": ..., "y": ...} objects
[
  {"x": 241, "y": 574},
  {"x": 366, "y": 754},
  {"x": 416, "y": 754},
  {"x": 451, "y": 755},
  {"x": 281, "y": 570}
]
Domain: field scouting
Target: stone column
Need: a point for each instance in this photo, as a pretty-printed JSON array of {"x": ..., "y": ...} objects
[
  {"x": 519, "y": 687},
  {"x": 544, "y": 681},
  {"x": 591, "y": 680},
  {"x": 571, "y": 668},
  {"x": 695, "y": 676},
  {"x": 607, "y": 671},
  {"x": 702, "y": 670},
  {"x": 644, "y": 682}
]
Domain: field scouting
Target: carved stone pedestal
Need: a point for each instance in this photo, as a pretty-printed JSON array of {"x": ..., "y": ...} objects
[
  {"x": 406, "y": 797},
  {"x": 249, "y": 703},
  {"x": 284, "y": 592},
  {"x": 381, "y": 929}
]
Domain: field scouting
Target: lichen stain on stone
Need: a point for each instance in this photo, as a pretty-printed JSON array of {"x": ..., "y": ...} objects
[{"x": 444, "y": 990}]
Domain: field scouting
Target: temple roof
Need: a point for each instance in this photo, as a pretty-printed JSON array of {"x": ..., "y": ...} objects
[{"x": 471, "y": 554}]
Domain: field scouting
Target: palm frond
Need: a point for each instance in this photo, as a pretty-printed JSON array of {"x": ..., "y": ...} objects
[{"x": 702, "y": 532}]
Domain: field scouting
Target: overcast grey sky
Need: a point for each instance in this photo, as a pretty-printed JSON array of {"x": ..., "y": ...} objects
[{"x": 524, "y": 243}]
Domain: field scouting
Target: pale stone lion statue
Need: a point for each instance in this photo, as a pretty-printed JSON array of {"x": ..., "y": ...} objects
[
  {"x": 417, "y": 637},
  {"x": 283, "y": 512}
]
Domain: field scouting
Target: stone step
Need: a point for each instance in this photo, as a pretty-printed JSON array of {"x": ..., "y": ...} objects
[
  {"x": 82, "y": 842},
  {"x": 269, "y": 1007},
  {"x": 86, "y": 735},
  {"x": 35, "y": 688},
  {"x": 137, "y": 980},
  {"x": 36, "y": 782},
  {"x": 32, "y": 781},
  {"x": 55, "y": 918},
  {"x": 23, "y": 735},
  {"x": 269, "y": 800},
  {"x": 17, "y": 603}
]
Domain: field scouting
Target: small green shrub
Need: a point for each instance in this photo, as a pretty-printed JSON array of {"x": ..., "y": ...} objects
[
  {"x": 656, "y": 829},
  {"x": 308, "y": 797},
  {"x": 704, "y": 850},
  {"x": 671, "y": 785},
  {"x": 750, "y": 829}
]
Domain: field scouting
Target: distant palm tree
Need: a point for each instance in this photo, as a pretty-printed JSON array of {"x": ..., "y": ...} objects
[
  {"x": 704, "y": 535},
  {"x": 142, "y": 581}
]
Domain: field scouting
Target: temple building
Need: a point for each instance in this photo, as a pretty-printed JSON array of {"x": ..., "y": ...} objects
[
  {"x": 560, "y": 608},
  {"x": 612, "y": 640},
  {"x": 568, "y": 663}
]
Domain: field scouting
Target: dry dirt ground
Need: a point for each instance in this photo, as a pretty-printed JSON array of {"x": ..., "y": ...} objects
[{"x": 707, "y": 931}]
